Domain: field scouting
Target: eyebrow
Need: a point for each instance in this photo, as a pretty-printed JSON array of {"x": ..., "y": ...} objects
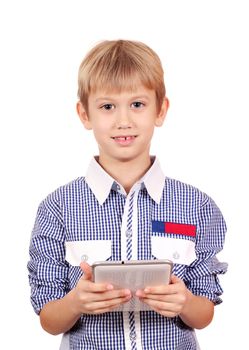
[{"x": 135, "y": 97}]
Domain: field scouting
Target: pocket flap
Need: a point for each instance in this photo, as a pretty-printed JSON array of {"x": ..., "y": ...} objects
[
  {"x": 180, "y": 251},
  {"x": 89, "y": 251}
]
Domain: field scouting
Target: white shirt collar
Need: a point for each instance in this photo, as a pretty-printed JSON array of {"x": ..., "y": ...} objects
[
  {"x": 154, "y": 181},
  {"x": 101, "y": 182}
]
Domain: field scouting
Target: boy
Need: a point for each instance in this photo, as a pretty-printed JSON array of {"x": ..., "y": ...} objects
[{"x": 125, "y": 208}]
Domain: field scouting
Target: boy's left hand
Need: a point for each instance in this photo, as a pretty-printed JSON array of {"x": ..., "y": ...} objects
[{"x": 167, "y": 300}]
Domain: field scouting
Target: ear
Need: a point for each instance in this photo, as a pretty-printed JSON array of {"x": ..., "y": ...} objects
[
  {"x": 162, "y": 113},
  {"x": 83, "y": 116}
]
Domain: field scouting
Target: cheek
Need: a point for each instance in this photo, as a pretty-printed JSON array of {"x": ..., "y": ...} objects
[
  {"x": 104, "y": 129},
  {"x": 101, "y": 131},
  {"x": 147, "y": 125}
]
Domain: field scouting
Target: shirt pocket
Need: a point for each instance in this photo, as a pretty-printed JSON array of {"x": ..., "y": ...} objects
[
  {"x": 88, "y": 251},
  {"x": 178, "y": 250}
]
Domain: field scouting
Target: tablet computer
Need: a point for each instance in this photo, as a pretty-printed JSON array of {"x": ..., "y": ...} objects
[{"x": 133, "y": 275}]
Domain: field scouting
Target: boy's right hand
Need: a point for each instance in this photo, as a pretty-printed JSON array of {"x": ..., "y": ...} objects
[{"x": 96, "y": 298}]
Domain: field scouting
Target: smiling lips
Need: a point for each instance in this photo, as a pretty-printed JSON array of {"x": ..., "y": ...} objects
[{"x": 124, "y": 140}]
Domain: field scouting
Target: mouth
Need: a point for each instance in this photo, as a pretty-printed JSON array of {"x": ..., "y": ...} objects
[{"x": 124, "y": 140}]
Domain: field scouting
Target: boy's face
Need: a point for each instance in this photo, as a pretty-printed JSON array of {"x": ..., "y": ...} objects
[{"x": 123, "y": 123}]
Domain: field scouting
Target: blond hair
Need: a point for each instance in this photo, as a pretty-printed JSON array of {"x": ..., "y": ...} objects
[{"x": 120, "y": 65}]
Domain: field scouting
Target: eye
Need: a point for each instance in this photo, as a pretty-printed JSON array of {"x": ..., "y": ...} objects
[
  {"x": 137, "y": 104},
  {"x": 107, "y": 106}
]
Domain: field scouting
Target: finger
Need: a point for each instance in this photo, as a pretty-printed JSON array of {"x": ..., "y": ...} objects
[
  {"x": 166, "y": 309},
  {"x": 174, "y": 279},
  {"x": 164, "y": 289},
  {"x": 91, "y": 287},
  {"x": 116, "y": 294},
  {"x": 167, "y": 298},
  {"x": 106, "y": 295},
  {"x": 105, "y": 305},
  {"x": 176, "y": 284},
  {"x": 87, "y": 271},
  {"x": 88, "y": 276},
  {"x": 140, "y": 293}
]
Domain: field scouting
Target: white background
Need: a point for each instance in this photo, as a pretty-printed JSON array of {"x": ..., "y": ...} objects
[{"x": 204, "y": 49}]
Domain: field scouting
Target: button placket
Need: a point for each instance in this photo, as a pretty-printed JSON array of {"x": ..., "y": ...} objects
[
  {"x": 128, "y": 233},
  {"x": 133, "y": 335}
]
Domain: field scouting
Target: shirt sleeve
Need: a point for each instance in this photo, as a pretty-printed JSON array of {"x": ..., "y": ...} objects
[
  {"x": 202, "y": 275},
  {"x": 47, "y": 268}
]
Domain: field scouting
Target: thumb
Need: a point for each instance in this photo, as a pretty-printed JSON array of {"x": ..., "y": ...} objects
[
  {"x": 174, "y": 279},
  {"x": 87, "y": 271}
]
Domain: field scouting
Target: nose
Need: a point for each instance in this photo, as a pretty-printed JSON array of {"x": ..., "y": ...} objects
[{"x": 123, "y": 120}]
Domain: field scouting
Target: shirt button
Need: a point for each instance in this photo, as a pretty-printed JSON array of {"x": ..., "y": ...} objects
[
  {"x": 128, "y": 233},
  {"x": 84, "y": 257},
  {"x": 118, "y": 188},
  {"x": 176, "y": 255},
  {"x": 133, "y": 335}
]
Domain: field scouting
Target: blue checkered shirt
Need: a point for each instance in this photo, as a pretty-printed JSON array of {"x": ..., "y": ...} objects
[{"x": 87, "y": 220}]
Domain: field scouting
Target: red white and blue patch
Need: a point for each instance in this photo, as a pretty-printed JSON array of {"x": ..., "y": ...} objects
[{"x": 174, "y": 228}]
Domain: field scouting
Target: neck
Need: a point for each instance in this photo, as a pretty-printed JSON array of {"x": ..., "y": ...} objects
[{"x": 126, "y": 173}]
